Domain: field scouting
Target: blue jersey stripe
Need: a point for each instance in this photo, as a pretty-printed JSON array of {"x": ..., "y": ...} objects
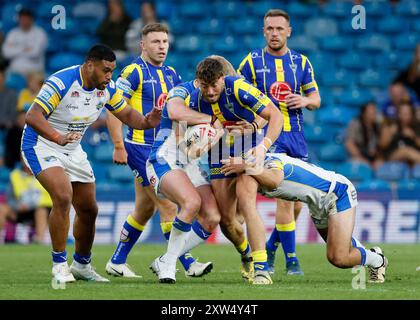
[{"x": 300, "y": 175}]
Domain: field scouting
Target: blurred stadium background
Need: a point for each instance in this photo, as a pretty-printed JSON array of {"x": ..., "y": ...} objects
[{"x": 352, "y": 67}]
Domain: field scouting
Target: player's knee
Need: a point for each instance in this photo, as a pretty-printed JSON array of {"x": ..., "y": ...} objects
[
  {"x": 212, "y": 219},
  {"x": 191, "y": 204},
  {"x": 62, "y": 200},
  {"x": 337, "y": 259}
]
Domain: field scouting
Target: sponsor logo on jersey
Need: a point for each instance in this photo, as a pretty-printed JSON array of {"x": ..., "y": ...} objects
[
  {"x": 71, "y": 107},
  {"x": 100, "y": 93},
  {"x": 100, "y": 105},
  {"x": 57, "y": 82},
  {"x": 279, "y": 90},
  {"x": 124, "y": 85},
  {"x": 263, "y": 70},
  {"x": 75, "y": 94},
  {"x": 50, "y": 159},
  {"x": 171, "y": 80},
  {"x": 161, "y": 100},
  {"x": 46, "y": 93}
]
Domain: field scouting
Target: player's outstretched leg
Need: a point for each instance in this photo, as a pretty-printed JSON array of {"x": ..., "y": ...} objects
[
  {"x": 84, "y": 203},
  {"x": 344, "y": 251},
  {"x": 231, "y": 224},
  {"x": 58, "y": 185},
  {"x": 246, "y": 191},
  {"x": 132, "y": 229},
  {"x": 177, "y": 187}
]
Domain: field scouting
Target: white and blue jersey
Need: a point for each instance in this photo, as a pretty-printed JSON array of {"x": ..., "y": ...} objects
[
  {"x": 165, "y": 154},
  {"x": 69, "y": 107},
  {"x": 325, "y": 192}
]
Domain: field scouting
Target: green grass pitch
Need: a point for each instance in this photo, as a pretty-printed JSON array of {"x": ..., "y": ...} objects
[{"x": 25, "y": 273}]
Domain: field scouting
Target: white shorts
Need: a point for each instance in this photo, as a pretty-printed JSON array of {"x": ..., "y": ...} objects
[
  {"x": 196, "y": 172},
  {"x": 74, "y": 163}
]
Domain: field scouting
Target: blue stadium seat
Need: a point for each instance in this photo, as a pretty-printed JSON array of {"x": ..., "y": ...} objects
[
  {"x": 260, "y": 8},
  {"x": 251, "y": 42},
  {"x": 373, "y": 78},
  {"x": 322, "y": 62},
  {"x": 15, "y": 81},
  {"x": 409, "y": 8},
  {"x": 337, "y": 9},
  {"x": 300, "y": 10},
  {"x": 107, "y": 187},
  {"x": 406, "y": 42},
  {"x": 377, "y": 8},
  {"x": 120, "y": 174},
  {"x": 338, "y": 78},
  {"x": 80, "y": 44},
  {"x": 339, "y": 116},
  {"x": 229, "y": 9},
  {"x": 43, "y": 10},
  {"x": 354, "y": 60},
  {"x": 64, "y": 60},
  {"x": 248, "y": 25},
  {"x": 100, "y": 170},
  {"x": 180, "y": 26},
  {"x": 320, "y": 27},
  {"x": 355, "y": 97},
  {"x": 225, "y": 45},
  {"x": 356, "y": 171},
  {"x": 415, "y": 25},
  {"x": 188, "y": 43},
  {"x": 302, "y": 43},
  {"x": 393, "y": 171},
  {"x": 103, "y": 153},
  {"x": 3, "y": 187},
  {"x": 193, "y": 9},
  {"x": 319, "y": 134},
  {"x": 212, "y": 26},
  {"x": 132, "y": 7},
  {"x": 393, "y": 60},
  {"x": 416, "y": 172},
  {"x": 332, "y": 152},
  {"x": 326, "y": 165},
  {"x": 391, "y": 25},
  {"x": 9, "y": 16},
  {"x": 336, "y": 43},
  {"x": 4, "y": 174},
  {"x": 408, "y": 186},
  {"x": 374, "y": 185},
  {"x": 165, "y": 9},
  {"x": 90, "y": 9},
  {"x": 373, "y": 43}
]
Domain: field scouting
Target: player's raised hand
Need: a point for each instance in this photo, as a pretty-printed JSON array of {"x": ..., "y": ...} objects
[
  {"x": 119, "y": 156},
  {"x": 153, "y": 117},
  {"x": 68, "y": 138},
  {"x": 233, "y": 165}
]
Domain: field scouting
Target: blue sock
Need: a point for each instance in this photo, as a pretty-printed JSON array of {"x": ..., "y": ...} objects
[
  {"x": 186, "y": 259},
  {"x": 130, "y": 233},
  {"x": 59, "y": 257},
  {"x": 200, "y": 231},
  {"x": 82, "y": 259},
  {"x": 288, "y": 240},
  {"x": 356, "y": 244},
  {"x": 274, "y": 241}
]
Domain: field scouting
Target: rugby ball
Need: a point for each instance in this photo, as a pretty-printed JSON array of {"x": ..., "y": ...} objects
[{"x": 199, "y": 135}]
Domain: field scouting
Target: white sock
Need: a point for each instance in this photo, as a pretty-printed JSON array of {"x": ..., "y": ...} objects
[
  {"x": 373, "y": 259},
  {"x": 356, "y": 243},
  {"x": 193, "y": 241},
  {"x": 80, "y": 265},
  {"x": 176, "y": 244}
]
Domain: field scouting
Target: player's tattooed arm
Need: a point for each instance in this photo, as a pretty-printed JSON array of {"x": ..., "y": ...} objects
[{"x": 35, "y": 117}]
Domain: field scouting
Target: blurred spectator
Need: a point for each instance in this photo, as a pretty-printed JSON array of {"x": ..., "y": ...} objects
[
  {"x": 8, "y": 99},
  {"x": 12, "y": 141},
  {"x": 27, "y": 201},
  {"x": 113, "y": 29},
  {"x": 411, "y": 76},
  {"x": 133, "y": 35},
  {"x": 398, "y": 95},
  {"x": 400, "y": 139},
  {"x": 25, "y": 45},
  {"x": 27, "y": 95},
  {"x": 362, "y": 135}
]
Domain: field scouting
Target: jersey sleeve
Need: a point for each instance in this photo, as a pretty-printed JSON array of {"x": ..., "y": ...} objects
[
  {"x": 308, "y": 82},
  {"x": 250, "y": 97},
  {"x": 51, "y": 93},
  {"x": 246, "y": 69},
  {"x": 116, "y": 102},
  {"x": 129, "y": 80}
]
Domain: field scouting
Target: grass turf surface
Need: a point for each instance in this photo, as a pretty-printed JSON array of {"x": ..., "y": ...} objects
[{"x": 25, "y": 273}]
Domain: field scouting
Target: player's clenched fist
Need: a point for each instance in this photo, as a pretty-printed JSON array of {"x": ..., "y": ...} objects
[{"x": 63, "y": 139}]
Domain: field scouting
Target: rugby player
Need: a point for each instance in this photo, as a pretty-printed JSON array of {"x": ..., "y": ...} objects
[
  {"x": 69, "y": 101},
  {"x": 331, "y": 198},
  {"x": 145, "y": 83},
  {"x": 287, "y": 78}
]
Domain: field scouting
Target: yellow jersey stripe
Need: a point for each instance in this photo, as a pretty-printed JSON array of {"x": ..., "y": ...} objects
[
  {"x": 43, "y": 105},
  {"x": 162, "y": 81},
  {"x": 283, "y": 107},
  {"x": 136, "y": 102}
]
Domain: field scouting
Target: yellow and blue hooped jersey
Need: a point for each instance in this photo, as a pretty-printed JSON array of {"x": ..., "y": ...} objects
[
  {"x": 145, "y": 86},
  {"x": 273, "y": 74}
]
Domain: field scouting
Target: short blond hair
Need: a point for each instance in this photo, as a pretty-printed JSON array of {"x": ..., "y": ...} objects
[{"x": 228, "y": 69}]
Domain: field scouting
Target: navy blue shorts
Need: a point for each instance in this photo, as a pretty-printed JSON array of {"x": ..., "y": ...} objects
[
  {"x": 137, "y": 157},
  {"x": 293, "y": 144}
]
